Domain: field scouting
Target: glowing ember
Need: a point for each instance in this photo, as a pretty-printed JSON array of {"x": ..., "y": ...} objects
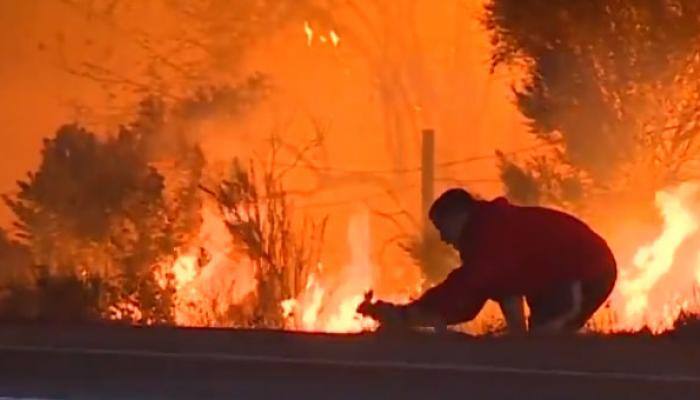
[
  {"x": 335, "y": 39},
  {"x": 655, "y": 289},
  {"x": 125, "y": 311},
  {"x": 332, "y": 37},
  {"x": 309, "y": 33}
]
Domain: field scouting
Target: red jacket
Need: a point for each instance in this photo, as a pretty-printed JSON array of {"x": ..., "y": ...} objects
[{"x": 511, "y": 250}]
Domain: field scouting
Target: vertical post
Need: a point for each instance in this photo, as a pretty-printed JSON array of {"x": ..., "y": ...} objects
[
  {"x": 428, "y": 240},
  {"x": 427, "y": 175}
]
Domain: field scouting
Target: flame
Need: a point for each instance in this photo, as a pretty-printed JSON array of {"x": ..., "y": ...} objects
[
  {"x": 335, "y": 39},
  {"x": 309, "y": 33},
  {"x": 184, "y": 270},
  {"x": 329, "y": 305},
  {"x": 654, "y": 290},
  {"x": 208, "y": 276},
  {"x": 125, "y": 311},
  {"x": 332, "y": 37},
  {"x": 328, "y": 302}
]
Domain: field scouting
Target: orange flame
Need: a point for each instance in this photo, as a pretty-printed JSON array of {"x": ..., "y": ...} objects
[
  {"x": 335, "y": 39},
  {"x": 655, "y": 289},
  {"x": 330, "y": 306},
  {"x": 309, "y": 33},
  {"x": 206, "y": 285},
  {"x": 332, "y": 37}
]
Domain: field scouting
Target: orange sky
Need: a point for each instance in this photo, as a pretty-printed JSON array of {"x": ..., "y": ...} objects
[
  {"x": 335, "y": 85},
  {"x": 441, "y": 67}
]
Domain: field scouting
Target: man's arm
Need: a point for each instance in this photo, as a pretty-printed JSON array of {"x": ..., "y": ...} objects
[{"x": 456, "y": 299}]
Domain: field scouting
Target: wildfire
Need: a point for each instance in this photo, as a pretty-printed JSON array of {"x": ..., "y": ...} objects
[
  {"x": 125, "y": 310},
  {"x": 328, "y": 302},
  {"x": 660, "y": 282},
  {"x": 653, "y": 289}
]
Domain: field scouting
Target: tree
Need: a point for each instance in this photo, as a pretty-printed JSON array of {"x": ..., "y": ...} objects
[
  {"x": 609, "y": 84},
  {"x": 96, "y": 206}
]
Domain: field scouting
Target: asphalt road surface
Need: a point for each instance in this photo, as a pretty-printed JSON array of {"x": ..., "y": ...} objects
[{"x": 72, "y": 362}]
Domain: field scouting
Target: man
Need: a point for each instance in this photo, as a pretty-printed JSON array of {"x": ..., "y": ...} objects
[{"x": 563, "y": 269}]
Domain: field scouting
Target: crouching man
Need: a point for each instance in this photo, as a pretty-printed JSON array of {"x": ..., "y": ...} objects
[{"x": 563, "y": 269}]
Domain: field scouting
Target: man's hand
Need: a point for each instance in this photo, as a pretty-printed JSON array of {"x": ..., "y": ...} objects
[{"x": 387, "y": 314}]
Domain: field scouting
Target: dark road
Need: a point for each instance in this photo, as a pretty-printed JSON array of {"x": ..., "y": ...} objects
[{"x": 62, "y": 363}]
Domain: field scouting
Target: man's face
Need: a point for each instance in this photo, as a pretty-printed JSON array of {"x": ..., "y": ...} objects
[{"x": 450, "y": 226}]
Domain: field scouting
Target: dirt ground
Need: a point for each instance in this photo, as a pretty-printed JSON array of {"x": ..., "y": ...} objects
[{"x": 69, "y": 362}]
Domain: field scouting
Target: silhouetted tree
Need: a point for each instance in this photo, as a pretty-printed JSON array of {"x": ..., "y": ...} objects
[
  {"x": 97, "y": 206},
  {"x": 608, "y": 83}
]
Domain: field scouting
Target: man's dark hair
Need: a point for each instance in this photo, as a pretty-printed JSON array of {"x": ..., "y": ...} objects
[{"x": 452, "y": 200}]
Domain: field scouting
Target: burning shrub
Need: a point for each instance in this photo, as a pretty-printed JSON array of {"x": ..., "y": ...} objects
[
  {"x": 258, "y": 216},
  {"x": 140, "y": 299},
  {"x": 98, "y": 207},
  {"x": 89, "y": 200}
]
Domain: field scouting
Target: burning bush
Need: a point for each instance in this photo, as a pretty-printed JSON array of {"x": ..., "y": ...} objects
[
  {"x": 259, "y": 219},
  {"x": 126, "y": 210},
  {"x": 97, "y": 207}
]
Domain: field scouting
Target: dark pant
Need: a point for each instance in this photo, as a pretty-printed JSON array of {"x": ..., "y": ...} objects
[{"x": 568, "y": 306}]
